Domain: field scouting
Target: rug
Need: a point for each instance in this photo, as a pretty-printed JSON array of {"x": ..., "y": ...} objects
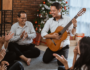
[{"x": 37, "y": 64}]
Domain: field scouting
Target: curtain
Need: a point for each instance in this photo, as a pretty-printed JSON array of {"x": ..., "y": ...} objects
[{"x": 83, "y": 22}]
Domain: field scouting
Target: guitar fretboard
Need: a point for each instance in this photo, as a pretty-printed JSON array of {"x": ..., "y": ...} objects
[{"x": 66, "y": 27}]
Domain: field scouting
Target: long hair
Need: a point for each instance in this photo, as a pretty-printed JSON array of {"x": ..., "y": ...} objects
[
  {"x": 84, "y": 58},
  {"x": 58, "y": 6}
]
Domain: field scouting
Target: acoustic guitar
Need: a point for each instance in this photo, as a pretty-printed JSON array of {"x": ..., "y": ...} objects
[{"x": 54, "y": 44}]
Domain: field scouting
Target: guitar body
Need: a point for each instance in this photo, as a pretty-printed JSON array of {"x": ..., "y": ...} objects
[{"x": 51, "y": 45}]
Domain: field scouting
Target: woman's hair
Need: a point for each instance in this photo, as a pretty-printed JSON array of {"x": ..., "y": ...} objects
[
  {"x": 58, "y": 6},
  {"x": 84, "y": 58}
]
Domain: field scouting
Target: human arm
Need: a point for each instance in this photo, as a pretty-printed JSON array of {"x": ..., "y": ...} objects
[
  {"x": 62, "y": 60},
  {"x": 74, "y": 21},
  {"x": 75, "y": 57},
  {"x": 7, "y": 38}
]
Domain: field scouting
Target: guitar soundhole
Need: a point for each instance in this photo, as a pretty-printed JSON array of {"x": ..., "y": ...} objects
[{"x": 60, "y": 33}]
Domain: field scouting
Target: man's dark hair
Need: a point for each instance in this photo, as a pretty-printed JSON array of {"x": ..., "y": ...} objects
[
  {"x": 58, "y": 6},
  {"x": 19, "y": 13}
]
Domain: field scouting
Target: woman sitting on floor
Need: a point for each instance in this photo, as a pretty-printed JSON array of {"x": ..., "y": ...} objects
[
  {"x": 3, "y": 62},
  {"x": 83, "y": 61}
]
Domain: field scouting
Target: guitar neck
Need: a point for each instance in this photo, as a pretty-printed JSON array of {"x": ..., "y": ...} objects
[{"x": 66, "y": 27}]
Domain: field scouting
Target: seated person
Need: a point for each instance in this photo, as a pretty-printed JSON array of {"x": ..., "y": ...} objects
[
  {"x": 4, "y": 64},
  {"x": 4, "y": 44},
  {"x": 52, "y": 24},
  {"x": 21, "y": 43},
  {"x": 83, "y": 61}
]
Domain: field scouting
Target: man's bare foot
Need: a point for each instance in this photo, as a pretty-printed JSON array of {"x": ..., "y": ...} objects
[
  {"x": 28, "y": 61},
  {"x": 25, "y": 59}
]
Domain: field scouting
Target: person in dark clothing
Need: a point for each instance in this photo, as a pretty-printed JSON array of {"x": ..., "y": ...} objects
[
  {"x": 5, "y": 57},
  {"x": 4, "y": 40}
]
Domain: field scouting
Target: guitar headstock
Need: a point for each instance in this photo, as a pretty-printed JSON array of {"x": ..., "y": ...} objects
[{"x": 82, "y": 11}]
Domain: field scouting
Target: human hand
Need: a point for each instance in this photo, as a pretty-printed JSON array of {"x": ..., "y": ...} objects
[
  {"x": 5, "y": 63},
  {"x": 56, "y": 36},
  {"x": 22, "y": 35},
  {"x": 74, "y": 21},
  {"x": 8, "y": 36},
  {"x": 3, "y": 67},
  {"x": 60, "y": 58},
  {"x": 2, "y": 54},
  {"x": 25, "y": 36}
]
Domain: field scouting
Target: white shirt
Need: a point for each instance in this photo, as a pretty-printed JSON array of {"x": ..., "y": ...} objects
[
  {"x": 17, "y": 30},
  {"x": 52, "y": 25}
]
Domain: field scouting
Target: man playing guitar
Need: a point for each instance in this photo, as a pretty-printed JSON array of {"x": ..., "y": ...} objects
[{"x": 52, "y": 24}]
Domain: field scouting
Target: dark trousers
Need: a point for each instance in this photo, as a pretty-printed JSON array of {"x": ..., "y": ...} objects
[
  {"x": 30, "y": 51},
  {"x": 61, "y": 68},
  {"x": 10, "y": 57},
  {"x": 17, "y": 66},
  {"x": 48, "y": 55}
]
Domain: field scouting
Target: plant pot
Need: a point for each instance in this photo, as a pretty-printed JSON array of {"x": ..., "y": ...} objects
[{"x": 36, "y": 41}]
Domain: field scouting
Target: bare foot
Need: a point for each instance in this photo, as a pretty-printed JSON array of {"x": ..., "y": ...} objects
[
  {"x": 25, "y": 59},
  {"x": 28, "y": 61}
]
